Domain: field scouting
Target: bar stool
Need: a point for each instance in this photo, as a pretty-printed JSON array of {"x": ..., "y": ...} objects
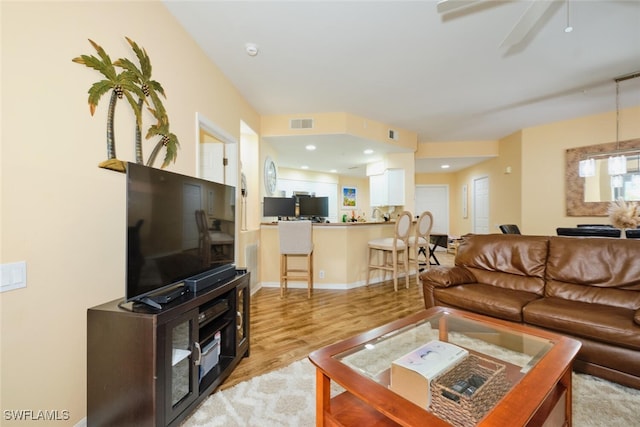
[
  {"x": 295, "y": 241},
  {"x": 419, "y": 242},
  {"x": 391, "y": 249}
]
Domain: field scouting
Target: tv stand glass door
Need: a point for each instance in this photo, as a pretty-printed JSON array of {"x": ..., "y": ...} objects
[{"x": 182, "y": 353}]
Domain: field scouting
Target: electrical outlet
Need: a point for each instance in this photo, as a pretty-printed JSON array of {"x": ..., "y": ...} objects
[{"x": 321, "y": 274}]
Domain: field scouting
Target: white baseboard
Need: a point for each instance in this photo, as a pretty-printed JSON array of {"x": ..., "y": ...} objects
[{"x": 334, "y": 286}]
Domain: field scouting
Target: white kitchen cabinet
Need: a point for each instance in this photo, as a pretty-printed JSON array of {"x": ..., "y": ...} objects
[{"x": 387, "y": 189}]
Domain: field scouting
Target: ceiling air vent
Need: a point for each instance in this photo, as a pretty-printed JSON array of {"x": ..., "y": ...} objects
[{"x": 301, "y": 124}]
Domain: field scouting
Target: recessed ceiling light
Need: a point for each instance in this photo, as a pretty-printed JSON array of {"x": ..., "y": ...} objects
[
  {"x": 333, "y": 170},
  {"x": 304, "y": 167},
  {"x": 310, "y": 147},
  {"x": 368, "y": 151},
  {"x": 445, "y": 166},
  {"x": 251, "y": 48}
]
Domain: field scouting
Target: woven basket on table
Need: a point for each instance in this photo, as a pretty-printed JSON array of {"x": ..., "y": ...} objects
[{"x": 468, "y": 410}]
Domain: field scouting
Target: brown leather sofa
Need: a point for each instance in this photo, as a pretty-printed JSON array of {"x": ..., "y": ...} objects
[{"x": 585, "y": 288}]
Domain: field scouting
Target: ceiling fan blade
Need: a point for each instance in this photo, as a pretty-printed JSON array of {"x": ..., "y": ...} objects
[
  {"x": 528, "y": 21},
  {"x": 445, "y": 6}
]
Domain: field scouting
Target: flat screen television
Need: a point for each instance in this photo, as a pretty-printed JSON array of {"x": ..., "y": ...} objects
[
  {"x": 164, "y": 240},
  {"x": 279, "y": 206},
  {"x": 316, "y": 207}
]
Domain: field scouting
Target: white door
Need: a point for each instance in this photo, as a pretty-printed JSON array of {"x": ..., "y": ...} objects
[
  {"x": 481, "y": 205},
  {"x": 212, "y": 159},
  {"x": 435, "y": 199}
]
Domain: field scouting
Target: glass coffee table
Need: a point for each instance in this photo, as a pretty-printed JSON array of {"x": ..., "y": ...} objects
[{"x": 535, "y": 373}]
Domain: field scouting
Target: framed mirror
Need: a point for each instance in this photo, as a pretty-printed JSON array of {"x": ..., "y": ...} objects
[{"x": 591, "y": 196}]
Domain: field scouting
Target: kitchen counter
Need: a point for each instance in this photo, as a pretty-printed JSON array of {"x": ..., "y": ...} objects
[
  {"x": 340, "y": 224},
  {"x": 339, "y": 257}
]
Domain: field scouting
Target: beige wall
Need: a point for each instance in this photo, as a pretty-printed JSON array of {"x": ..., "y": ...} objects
[
  {"x": 543, "y": 198},
  {"x": 504, "y": 193},
  {"x": 338, "y": 123},
  {"x": 446, "y": 149},
  {"x": 65, "y": 217},
  {"x": 532, "y": 195},
  {"x": 505, "y": 196},
  {"x": 62, "y": 214}
]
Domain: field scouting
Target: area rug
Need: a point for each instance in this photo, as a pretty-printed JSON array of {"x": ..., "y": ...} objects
[{"x": 286, "y": 397}]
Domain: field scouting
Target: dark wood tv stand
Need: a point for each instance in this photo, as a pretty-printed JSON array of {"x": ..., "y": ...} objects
[{"x": 149, "y": 367}]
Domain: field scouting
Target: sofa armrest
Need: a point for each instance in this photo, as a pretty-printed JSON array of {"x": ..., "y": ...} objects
[
  {"x": 636, "y": 317},
  {"x": 443, "y": 277}
]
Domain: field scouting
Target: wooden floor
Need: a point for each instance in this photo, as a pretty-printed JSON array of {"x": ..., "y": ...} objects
[{"x": 287, "y": 329}]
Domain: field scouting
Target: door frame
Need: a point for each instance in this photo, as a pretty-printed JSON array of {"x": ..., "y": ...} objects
[{"x": 231, "y": 171}]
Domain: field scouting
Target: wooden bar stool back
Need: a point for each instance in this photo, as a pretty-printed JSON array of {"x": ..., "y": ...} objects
[
  {"x": 295, "y": 241},
  {"x": 419, "y": 242},
  {"x": 389, "y": 253}
]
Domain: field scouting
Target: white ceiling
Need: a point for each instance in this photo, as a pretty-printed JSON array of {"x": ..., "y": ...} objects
[{"x": 402, "y": 63}]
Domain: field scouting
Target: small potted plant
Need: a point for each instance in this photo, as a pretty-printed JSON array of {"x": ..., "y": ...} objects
[{"x": 623, "y": 215}]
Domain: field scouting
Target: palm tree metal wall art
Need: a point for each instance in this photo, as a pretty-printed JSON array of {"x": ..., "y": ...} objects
[
  {"x": 131, "y": 81},
  {"x": 151, "y": 89},
  {"x": 168, "y": 139},
  {"x": 120, "y": 84}
]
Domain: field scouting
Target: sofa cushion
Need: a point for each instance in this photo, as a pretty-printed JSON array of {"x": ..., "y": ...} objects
[
  {"x": 636, "y": 317},
  {"x": 509, "y": 261},
  {"x": 594, "y": 270},
  {"x": 485, "y": 299},
  {"x": 613, "y": 325}
]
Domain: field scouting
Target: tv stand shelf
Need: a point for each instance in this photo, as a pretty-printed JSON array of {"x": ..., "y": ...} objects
[{"x": 148, "y": 367}]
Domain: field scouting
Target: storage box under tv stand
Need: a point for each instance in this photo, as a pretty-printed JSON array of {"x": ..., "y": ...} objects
[{"x": 142, "y": 363}]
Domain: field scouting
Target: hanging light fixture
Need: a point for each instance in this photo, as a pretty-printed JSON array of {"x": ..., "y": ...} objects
[
  {"x": 587, "y": 167},
  {"x": 617, "y": 161},
  {"x": 568, "y": 28},
  {"x": 616, "y": 181},
  {"x": 617, "y": 164}
]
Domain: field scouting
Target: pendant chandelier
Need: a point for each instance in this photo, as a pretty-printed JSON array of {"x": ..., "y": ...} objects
[
  {"x": 617, "y": 161},
  {"x": 617, "y": 164}
]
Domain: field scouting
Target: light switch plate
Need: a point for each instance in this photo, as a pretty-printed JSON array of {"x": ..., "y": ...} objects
[{"x": 13, "y": 276}]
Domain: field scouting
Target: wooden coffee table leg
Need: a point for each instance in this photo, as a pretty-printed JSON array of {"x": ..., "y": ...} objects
[
  {"x": 566, "y": 382},
  {"x": 443, "y": 330},
  {"x": 323, "y": 397}
]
